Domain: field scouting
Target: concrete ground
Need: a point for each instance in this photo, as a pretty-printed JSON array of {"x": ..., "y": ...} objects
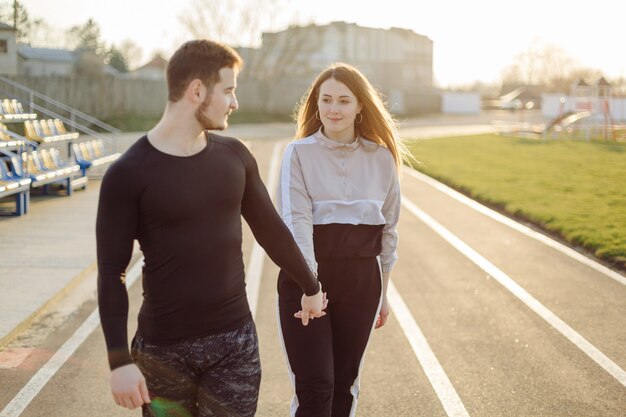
[{"x": 515, "y": 327}]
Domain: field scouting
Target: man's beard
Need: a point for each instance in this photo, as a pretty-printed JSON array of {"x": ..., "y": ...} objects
[{"x": 204, "y": 121}]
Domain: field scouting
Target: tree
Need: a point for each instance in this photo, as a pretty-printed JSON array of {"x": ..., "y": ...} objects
[
  {"x": 41, "y": 34},
  {"x": 546, "y": 65},
  {"x": 116, "y": 59},
  {"x": 14, "y": 13},
  {"x": 87, "y": 37},
  {"x": 245, "y": 23},
  {"x": 238, "y": 22},
  {"x": 131, "y": 52}
]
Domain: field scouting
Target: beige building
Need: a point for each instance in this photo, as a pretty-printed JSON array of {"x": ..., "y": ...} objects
[
  {"x": 399, "y": 62},
  {"x": 8, "y": 50}
]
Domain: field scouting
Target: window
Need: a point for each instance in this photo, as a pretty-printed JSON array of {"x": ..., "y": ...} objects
[{"x": 3, "y": 46}]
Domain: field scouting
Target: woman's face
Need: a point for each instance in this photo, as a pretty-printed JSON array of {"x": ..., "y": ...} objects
[{"x": 338, "y": 108}]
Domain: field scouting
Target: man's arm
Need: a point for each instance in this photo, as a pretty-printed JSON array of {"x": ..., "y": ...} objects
[
  {"x": 116, "y": 226},
  {"x": 274, "y": 236},
  {"x": 271, "y": 232}
]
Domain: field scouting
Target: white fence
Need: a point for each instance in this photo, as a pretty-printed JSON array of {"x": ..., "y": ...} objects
[{"x": 460, "y": 103}]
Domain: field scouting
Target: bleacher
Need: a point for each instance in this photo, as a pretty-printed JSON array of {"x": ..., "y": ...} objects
[
  {"x": 33, "y": 157},
  {"x": 15, "y": 187},
  {"x": 92, "y": 153},
  {"x": 48, "y": 130},
  {"x": 11, "y": 109},
  {"x": 7, "y": 138}
]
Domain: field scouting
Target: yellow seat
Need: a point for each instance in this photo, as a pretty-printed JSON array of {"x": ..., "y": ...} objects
[
  {"x": 30, "y": 131},
  {"x": 56, "y": 157},
  {"x": 48, "y": 163},
  {"x": 45, "y": 128},
  {"x": 52, "y": 127},
  {"x": 98, "y": 147},
  {"x": 16, "y": 106},
  {"x": 38, "y": 129},
  {"x": 4, "y": 135},
  {"x": 8, "y": 107},
  {"x": 60, "y": 126},
  {"x": 30, "y": 165},
  {"x": 84, "y": 152},
  {"x": 91, "y": 149}
]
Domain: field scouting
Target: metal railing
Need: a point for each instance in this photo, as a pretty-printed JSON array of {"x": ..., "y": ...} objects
[{"x": 77, "y": 120}]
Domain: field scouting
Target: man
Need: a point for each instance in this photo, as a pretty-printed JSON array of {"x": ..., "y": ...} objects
[{"x": 181, "y": 191}]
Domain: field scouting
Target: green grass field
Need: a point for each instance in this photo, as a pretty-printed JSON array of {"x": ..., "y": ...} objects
[{"x": 576, "y": 189}]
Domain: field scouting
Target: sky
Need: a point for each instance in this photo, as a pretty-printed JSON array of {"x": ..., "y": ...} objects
[{"x": 473, "y": 40}]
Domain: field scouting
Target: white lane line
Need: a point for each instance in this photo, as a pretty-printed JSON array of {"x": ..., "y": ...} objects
[
  {"x": 516, "y": 226},
  {"x": 583, "y": 344},
  {"x": 448, "y": 396},
  {"x": 254, "y": 269},
  {"x": 19, "y": 403}
]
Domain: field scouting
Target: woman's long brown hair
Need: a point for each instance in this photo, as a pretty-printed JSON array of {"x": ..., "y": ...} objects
[{"x": 377, "y": 124}]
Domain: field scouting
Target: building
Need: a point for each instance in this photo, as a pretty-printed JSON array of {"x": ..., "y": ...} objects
[
  {"x": 8, "y": 50},
  {"x": 153, "y": 70},
  {"x": 45, "y": 62},
  {"x": 399, "y": 62}
]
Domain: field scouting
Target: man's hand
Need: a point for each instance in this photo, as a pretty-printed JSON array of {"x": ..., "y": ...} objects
[
  {"x": 128, "y": 387},
  {"x": 383, "y": 314},
  {"x": 312, "y": 307}
]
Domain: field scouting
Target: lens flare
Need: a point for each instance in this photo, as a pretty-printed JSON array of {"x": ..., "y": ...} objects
[{"x": 162, "y": 407}]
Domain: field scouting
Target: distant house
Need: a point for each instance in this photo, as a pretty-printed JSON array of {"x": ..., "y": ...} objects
[
  {"x": 52, "y": 62},
  {"x": 44, "y": 62},
  {"x": 8, "y": 50},
  {"x": 153, "y": 70}
]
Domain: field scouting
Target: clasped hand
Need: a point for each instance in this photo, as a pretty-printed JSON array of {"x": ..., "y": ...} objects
[{"x": 312, "y": 307}]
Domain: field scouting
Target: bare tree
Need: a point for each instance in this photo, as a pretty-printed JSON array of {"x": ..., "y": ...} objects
[
  {"x": 87, "y": 36},
  {"x": 14, "y": 13},
  {"x": 281, "y": 55},
  {"x": 235, "y": 22},
  {"x": 546, "y": 65},
  {"x": 242, "y": 23},
  {"x": 43, "y": 34},
  {"x": 131, "y": 52}
]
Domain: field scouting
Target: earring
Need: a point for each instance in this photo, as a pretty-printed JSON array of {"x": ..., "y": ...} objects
[
  {"x": 317, "y": 114},
  {"x": 357, "y": 120}
]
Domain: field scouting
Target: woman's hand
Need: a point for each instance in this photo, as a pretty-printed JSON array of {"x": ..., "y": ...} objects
[
  {"x": 383, "y": 314},
  {"x": 312, "y": 307}
]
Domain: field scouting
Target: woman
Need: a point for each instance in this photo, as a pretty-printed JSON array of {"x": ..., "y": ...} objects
[{"x": 339, "y": 196}]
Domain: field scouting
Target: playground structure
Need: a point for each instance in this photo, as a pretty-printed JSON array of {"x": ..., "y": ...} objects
[
  {"x": 585, "y": 114},
  {"x": 589, "y": 116}
]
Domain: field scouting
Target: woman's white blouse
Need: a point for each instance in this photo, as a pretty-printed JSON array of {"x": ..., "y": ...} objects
[{"x": 324, "y": 181}]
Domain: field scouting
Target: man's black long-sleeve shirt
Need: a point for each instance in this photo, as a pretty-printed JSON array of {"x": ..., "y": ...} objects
[{"x": 186, "y": 214}]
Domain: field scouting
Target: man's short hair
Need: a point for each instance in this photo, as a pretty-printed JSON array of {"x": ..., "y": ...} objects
[{"x": 199, "y": 59}]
